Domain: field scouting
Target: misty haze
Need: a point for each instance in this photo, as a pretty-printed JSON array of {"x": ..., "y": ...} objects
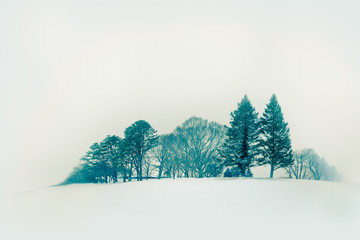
[{"x": 179, "y": 120}]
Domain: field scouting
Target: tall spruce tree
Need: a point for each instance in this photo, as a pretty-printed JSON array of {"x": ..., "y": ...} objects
[
  {"x": 275, "y": 143},
  {"x": 240, "y": 148}
]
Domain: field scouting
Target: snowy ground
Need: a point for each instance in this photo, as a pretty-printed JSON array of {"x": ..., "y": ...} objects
[{"x": 235, "y": 208}]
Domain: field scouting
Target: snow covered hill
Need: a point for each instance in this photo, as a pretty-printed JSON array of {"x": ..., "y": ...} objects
[{"x": 235, "y": 208}]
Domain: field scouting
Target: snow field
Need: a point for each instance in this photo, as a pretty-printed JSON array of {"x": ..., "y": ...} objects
[{"x": 219, "y": 208}]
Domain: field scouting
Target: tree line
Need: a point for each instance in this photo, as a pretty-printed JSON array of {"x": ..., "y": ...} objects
[{"x": 199, "y": 148}]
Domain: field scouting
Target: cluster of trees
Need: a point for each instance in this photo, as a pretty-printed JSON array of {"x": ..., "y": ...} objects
[
  {"x": 199, "y": 148},
  {"x": 115, "y": 157},
  {"x": 192, "y": 150},
  {"x": 309, "y": 165},
  {"x": 257, "y": 141}
]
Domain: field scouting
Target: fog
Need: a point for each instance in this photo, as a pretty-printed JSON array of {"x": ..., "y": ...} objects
[{"x": 72, "y": 72}]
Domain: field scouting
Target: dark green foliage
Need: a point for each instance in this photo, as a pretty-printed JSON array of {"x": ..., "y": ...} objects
[
  {"x": 235, "y": 171},
  {"x": 227, "y": 173},
  {"x": 240, "y": 148},
  {"x": 101, "y": 164},
  {"x": 98, "y": 166},
  {"x": 114, "y": 157},
  {"x": 111, "y": 151},
  {"x": 275, "y": 144},
  {"x": 248, "y": 173},
  {"x": 140, "y": 137}
]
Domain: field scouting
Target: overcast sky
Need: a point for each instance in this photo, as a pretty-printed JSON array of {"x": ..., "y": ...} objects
[{"x": 72, "y": 72}]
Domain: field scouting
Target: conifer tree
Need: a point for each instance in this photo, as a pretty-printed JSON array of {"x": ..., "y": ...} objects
[
  {"x": 110, "y": 151},
  {"x": 240, "y": 148},
  {"x": 275, "y": 143},
  {"x": 140, "y": 137},
  {"x": 227, "y": 173}
]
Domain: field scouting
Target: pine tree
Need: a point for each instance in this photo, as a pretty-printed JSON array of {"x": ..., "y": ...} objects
[
  {"x": 240, "y": 148},
  {"x": 227, "y": 173},
  {"x": 110, "y": 150},
  {"x": 275, "y": 144},
  {"x": 140, "y": 137}
]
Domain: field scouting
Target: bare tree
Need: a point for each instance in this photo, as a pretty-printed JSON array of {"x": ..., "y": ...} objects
[
  {"x": 309, "y": 165},
  {"x": 148, "y": 165},
  {"x": 318, "y": 167},
  {"x": 164, "y": 155},
  {"x": 197, "y": 146},
  {"x": 300, "y": 167}
]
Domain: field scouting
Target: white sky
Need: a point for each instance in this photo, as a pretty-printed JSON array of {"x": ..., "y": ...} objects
[{"x": 72, "y": 72}]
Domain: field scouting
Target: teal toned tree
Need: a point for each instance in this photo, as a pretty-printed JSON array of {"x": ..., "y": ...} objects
[
  {"x": 140, "y": 137},
  {"x": 110, "y": 151},
  {"x": 197, "y": 147},
  {"x": 275, "y": 144},
  {"x": 164, "y": 155},
  {"x": 240, "y": 148}
]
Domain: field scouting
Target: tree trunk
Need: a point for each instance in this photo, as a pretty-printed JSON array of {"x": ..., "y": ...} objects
[
  {"x": 115, "y": 177},
  {"x": 243, "y": 172},
  {"x": 272, "y": 171},
  {"x": 140, "y": 173},
  {"x": 140, "y": 169},
  {"x": 160, "y": 172}
]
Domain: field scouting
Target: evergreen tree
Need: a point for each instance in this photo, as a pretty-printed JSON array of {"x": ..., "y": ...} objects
[
  {"x": 235, "y": 171},
  {"x": 97, "y": 164},
  {"x": 275, "y": 144},
  {"x": 102, "y": 162},
  {"x": 111, "y": 152},
  {"x": 240, "y": 148},
  {"x": 140, "y": 137},
  {"x": 227, "y": 173}
]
